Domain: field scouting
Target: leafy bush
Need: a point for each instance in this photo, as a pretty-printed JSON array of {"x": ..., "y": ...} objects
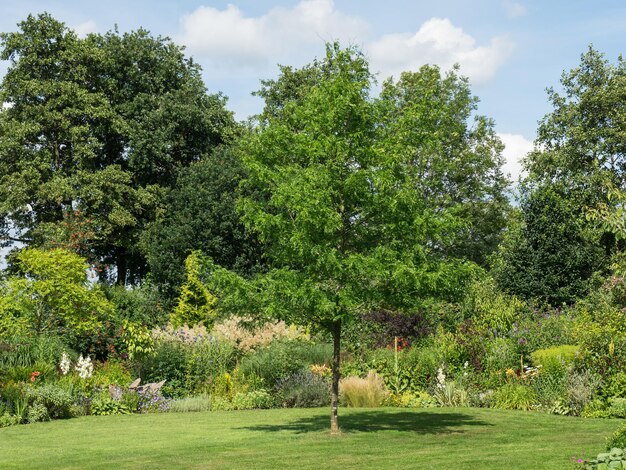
[
  {"x": 615, "y": 386},
  {"x": 152, "y": 402},
  {"x": 8, "y": 420},
  {"x": 502, "y": 353},
  {"x": 37, "y": 412},
  {"x": 283, "y": 358},
  {"x": 25, "y": 352},
  {"x": 582, "y": 386},
  {"x": 550, "y": 389},
  {"x": 513, "y": 396},
  {"x": 55, "y": 399},
  {"x": 617, "y": 439},
  {"x": 555, "y": 360},
  {"x": 410, "y": 400},
  {"x": 256, "y": 399},
  {"x": 363, "y": 393},
  {"x": 188, "y": 366},
  {"x": 191, "y": 404},
  {"x": 104, "y": 406},
  {"x": 303, "y": 389}
]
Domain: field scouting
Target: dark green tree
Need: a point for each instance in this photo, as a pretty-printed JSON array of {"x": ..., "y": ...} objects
[
  {"x": 339, "y": 202},
  {"x": 99, "y": 125},
  {"x": 580, "y": 153},
  {"x": 200, "y": 214}
]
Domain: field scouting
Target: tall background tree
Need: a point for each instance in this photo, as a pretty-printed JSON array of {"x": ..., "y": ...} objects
[
  {"x": 98, "y": 128},
  {"x": 341, "y": 192},
  {"x": 580, "y": 154}
]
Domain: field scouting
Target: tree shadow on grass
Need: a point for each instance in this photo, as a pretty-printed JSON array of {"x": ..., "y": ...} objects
[{"x": 372, "y": 421}]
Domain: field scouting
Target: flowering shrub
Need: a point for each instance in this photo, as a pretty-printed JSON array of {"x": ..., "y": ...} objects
[
  {"x": 65, "y": 365},
  {"x": 84, "y": 367},
  {"x": 249, "y": 339},
  {"x": 303, "y": 389},
  {"x": 152, "y": 402},
  {"x": 182, "y": 334}
]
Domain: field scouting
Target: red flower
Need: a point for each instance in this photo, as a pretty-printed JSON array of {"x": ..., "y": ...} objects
[{"x": 34, "y": 375}]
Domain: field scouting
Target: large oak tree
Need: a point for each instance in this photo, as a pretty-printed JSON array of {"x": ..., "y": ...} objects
[{"x": 94, "y": 130}]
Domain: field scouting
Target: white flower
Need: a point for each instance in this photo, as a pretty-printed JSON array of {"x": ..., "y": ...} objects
[
  {"x": 441, "y": 379},
  {"x": 65, "y": 365},
  {"x": 84, "y": 367}
]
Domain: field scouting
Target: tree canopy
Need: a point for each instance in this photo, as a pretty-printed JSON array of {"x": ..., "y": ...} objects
[
  {"x": 99, "y": 125},
  {"x": 341, "y": 204}
]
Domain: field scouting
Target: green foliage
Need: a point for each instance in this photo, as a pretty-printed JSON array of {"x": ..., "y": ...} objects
[
  {"x": 450, "y": 393},
  {"x": 255, "y": 399},
  {"x": 195, "y": 303},
  {"x": 26, "y": 352},
  {"x": 302, "y": 389},
  {"x": 550, "y": 256},
  {"x": 51, "y": 295},
  {"x": 514, "y": 396},
  {"x": 189, "y": 368},
  {"x": 555, "y": 360},
  {"x": 200, "y": 214},
  {"x": 617, "y": 439},
  {"x": 284, "y": 358},
  {"x": 137, "y": 339},
  {"x": 194, "y": 403},
  {"x": 55, "y": 399},
  {"x": 491, "y": 310},
  {"x": 98, "y": 125},
  {"x": 103, "y": 405}
]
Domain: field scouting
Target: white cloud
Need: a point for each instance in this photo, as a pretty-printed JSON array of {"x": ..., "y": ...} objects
[
  {"x": 439, "y": 42},
  {"x": 85, "y": 28},
  {"x": 229, "y": 41},
  {"x": 516, "y": 148},
  {"x": 514, "y": 9}
]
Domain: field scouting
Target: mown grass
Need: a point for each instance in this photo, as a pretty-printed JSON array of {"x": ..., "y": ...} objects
[{"x": 463, "y": 438}]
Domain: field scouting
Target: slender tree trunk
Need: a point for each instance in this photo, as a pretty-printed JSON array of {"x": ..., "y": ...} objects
[
  {"x": 121, "y": 268},
  {"x": 334, "y": 393}
]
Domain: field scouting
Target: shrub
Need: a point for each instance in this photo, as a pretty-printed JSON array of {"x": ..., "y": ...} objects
[
  {"x": 555, "y": 360},
  {"x": 411, "y": 400},
  {"x": 617, "y": 439},
  {"x": 283, "y": 358},
  {"x": 104, "y": 406},
  {"x": 188, "y": 365},
  {"x": 502, "y": 353},
  {"x": 615, "y": 386},
  {"x": 303, "y": 389},
  {"x": 363, "y": 393},
  {"x": 191, "y": 404},
  {"x": 252, "y": 338},
  {"x": 55, "y": 399},
  {"x": 550, "y": 389},
  {"x": 37, "y": 412},
  {"x": 513, "y": 396},
  {"x": 8, "y": 420},
  {"x": 257, "y": 399},
  {"x": 26, "y": 352},
  {"x": 152, "y": 402},
  {"x": 581, "y": 388}
]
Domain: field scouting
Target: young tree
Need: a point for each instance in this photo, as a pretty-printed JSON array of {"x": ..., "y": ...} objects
[
  {"x": 339, "y": 205},
  {"x": 100, "y": 125},
  {"x": 50, "y": 294}
]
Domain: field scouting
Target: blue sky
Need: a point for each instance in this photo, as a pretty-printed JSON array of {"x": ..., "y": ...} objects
[{"x": 510, "y": 49}]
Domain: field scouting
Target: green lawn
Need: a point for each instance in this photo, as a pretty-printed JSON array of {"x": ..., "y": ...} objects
[{"x": 298, "y": 439}]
